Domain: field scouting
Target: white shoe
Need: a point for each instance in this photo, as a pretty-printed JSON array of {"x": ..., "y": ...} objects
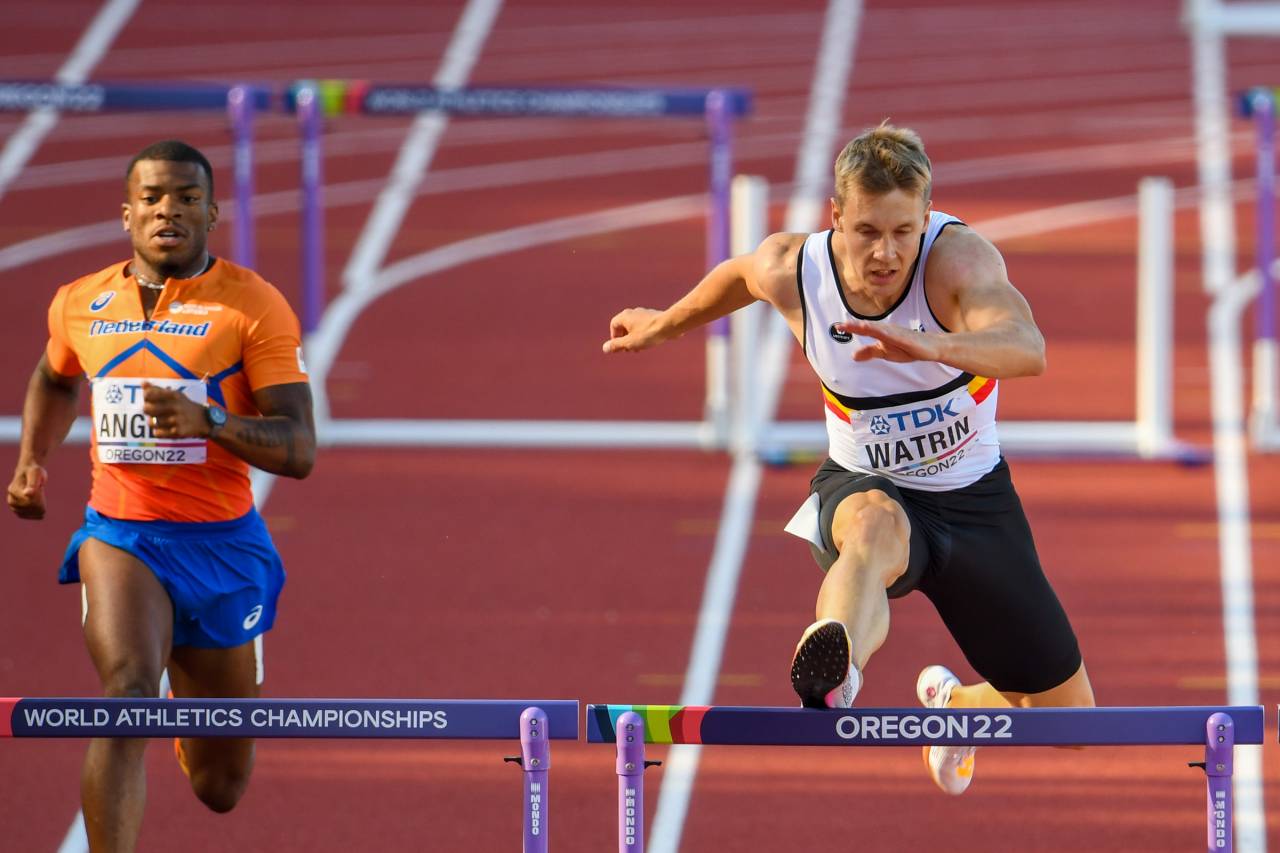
[
  {"x": 950, "y": 766},
  {"x": 822, "y": 672}
]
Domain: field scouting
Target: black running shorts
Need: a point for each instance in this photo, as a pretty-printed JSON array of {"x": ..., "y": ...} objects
[{"x": 973, "y": 556}]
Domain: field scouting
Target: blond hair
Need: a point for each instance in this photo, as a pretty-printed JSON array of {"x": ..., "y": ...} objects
[{"x": 882, "y": 159}]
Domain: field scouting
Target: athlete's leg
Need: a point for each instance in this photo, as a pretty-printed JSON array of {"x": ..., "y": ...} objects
[
  {"x": 128, "y": 629},
  {"x": 219, "y": 768},
  {"x": 1075, "y": 692},
  {"x": 980, "y": 695},
  {"x": 871, "y": 533}
]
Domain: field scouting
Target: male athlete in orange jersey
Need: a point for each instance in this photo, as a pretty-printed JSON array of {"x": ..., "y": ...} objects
[{"x": 196, "y": 372}]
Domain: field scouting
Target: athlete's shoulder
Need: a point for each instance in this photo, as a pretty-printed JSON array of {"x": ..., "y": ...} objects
[
  {"x": 247, "y": 290},
  {"x": 960, "y": 257},
  {"x": 777, "y": 257},
  {"x": 94, "y": 284},
  {"x": 773, "y": 268}
]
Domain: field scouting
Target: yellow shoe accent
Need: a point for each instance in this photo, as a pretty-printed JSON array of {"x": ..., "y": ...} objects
[{"x": 181, "y": 756}]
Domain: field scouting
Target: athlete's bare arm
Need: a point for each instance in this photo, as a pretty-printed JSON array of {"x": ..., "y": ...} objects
[
  {"x": 732, "y": 284},
  {"x": 993, "y": 333},
  {"x": 282, "y": 441},
  {"x": 47, "y": 414}
]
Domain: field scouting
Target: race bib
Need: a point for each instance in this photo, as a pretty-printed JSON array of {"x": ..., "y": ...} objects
[{"x": 123, "y": 431}]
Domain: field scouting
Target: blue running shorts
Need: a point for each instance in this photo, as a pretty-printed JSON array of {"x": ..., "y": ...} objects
[{"x": 223, "y": 577}]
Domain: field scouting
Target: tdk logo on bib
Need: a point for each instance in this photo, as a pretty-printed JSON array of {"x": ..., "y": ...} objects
[
  {"x": 917, "y": 418},
  {"x": 840, "y": 336},
  {"x": 101, "y": 302}
]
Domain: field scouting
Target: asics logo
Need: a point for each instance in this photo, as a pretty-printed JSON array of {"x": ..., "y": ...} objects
[
  {"x": 101, "y": 302},
  {"x": 252, "y": 619}
]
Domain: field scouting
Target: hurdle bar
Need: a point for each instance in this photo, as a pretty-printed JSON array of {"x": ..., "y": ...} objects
[
  {"x": 241, "y": 102},
  {"x": 535, "y": 722},
  {"x": 1218, "y": 729},
  {"x": 718, "y": 108}
]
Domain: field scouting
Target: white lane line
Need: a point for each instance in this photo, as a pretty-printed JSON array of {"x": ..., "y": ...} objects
[
  {"x": 472, "y": 30},
  {"x": 19, "y": 150},
  {"x": 282, "y": 57},
  {"x": 1231, "y": 481},
  {"x": 388, "y": 214},
  {"x": 804, "y": 213},
  {"x": 419, "y": 147},
  {"x": 327, "y": 340},
  {"x": 76, "y": 839},
  {"x": 87, "y": 53}
]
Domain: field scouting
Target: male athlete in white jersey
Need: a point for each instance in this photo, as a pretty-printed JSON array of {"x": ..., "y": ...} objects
[{"x": 909, "y": 320}]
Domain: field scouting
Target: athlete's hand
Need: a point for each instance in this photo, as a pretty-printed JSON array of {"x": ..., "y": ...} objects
[
  {"x": 26, "y": 492},
  {"x": 893, "y": 343},
  {"x": 172, "y": 413},
  {"x": 633, "y": 330}
]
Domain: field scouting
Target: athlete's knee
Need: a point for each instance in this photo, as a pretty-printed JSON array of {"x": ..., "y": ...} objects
[
  {"x": 1075, "y": 692},
  {"x": 127, "y": 679},
  {"x": 872, "y": 519},
  {"x": 220, "y": 788}
]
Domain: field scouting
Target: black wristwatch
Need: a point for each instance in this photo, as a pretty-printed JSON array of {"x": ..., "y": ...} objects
[{"x": 216, "y": 417}]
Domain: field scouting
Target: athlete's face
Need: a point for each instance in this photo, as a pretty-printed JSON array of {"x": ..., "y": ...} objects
[
  {"x": 881, "y": 237},
  {"x": 169, "y": 214}
]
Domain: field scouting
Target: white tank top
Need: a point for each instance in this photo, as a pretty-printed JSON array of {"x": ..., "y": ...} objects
[{"x": 921, "y": 424}]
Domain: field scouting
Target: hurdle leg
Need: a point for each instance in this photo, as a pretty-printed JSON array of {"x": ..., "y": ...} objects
[
  {"x": 535, "y": 760},
  {"x": 310, "y": 121},
  {"x": 631, "y": 766},
  {"x": 1219, "y": 748},
  {"x": 240, "y": 109}
]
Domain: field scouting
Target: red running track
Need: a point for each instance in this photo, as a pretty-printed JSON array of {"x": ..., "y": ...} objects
[{"x": 579, "y": 574}]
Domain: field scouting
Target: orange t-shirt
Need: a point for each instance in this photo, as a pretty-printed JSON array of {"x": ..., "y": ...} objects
[{"x": 219, "y": 337}]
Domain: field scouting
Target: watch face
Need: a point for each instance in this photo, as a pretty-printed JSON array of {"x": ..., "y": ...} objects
[{"x": 217, "y": 417}]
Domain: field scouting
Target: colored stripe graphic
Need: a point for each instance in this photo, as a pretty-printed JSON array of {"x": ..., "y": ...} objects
[
  {"x": 662, "y": 723},
  {"x": 657, "y": 722},
  {"x": 837, "y": 408},
  {"x": 6, "y": 716},
  {"x": 151, "y": 443},
  {"x": 690, "y": 723},
  {"x": 980, "y": 388}
]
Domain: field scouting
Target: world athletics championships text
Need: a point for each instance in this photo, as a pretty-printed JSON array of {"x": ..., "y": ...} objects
[
  {"x": 30, "y": 96},
  {"x": 481, "y": 101},
  {"x": 234, "y": 718}
]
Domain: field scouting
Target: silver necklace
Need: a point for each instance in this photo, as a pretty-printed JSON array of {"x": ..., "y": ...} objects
[{"x": 149, "y": 285}]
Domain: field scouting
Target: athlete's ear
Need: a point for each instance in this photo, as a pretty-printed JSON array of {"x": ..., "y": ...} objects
[
  {"x": 836, "y": 215},
  {"x": 928, "y": 210},
  {"x": 124, "y": 215},
  {"x": 213, "y": 215}
]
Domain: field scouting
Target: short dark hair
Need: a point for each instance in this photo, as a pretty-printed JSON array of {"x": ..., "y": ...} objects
[{"x": 172, "y": 151}]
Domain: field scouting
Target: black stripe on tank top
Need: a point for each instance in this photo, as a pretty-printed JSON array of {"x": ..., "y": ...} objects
[
  {"x": 804, "y": 308},
  {"x": 905, "y": 399},
  {"x": 941, "y": 324},
  {"x": 835, "y": 271}
]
